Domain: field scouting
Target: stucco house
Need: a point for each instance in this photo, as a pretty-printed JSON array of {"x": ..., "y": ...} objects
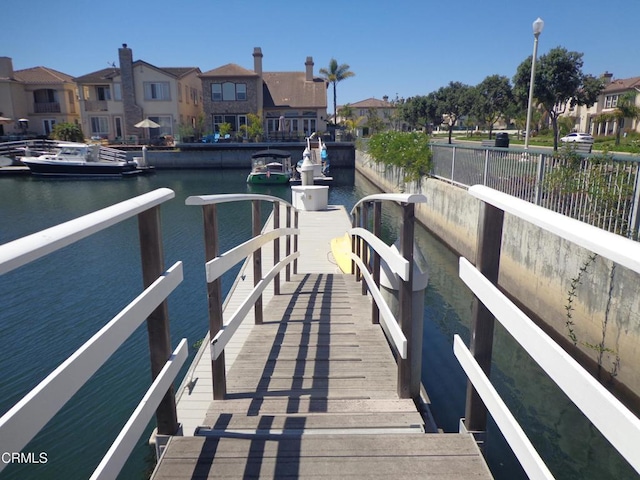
[
  {"x": 113, "y": 100},
  {"x": 290, "y": 105},
  {"x": 587, "y": 119},
  {"x": 35, "y": 99},
  {"x": 364, "y": 110}
]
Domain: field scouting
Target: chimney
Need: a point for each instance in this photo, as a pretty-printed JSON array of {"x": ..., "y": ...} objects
[
  {"x": 385, "y": 98},
  {"x": 607, "y": 77},
  {"x": 257, "y": 60},
  {"x": 132, "y": 112},
  {"x": 6, "y": 67},
  {"x": 309, "y": 66}
]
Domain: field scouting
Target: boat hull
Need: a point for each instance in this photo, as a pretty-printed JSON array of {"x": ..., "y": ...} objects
[
  {"x": 268, "y": 179},
  {"x": 88, "y": 169}
]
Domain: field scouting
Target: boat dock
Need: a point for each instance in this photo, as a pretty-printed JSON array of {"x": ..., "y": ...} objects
[{"x": 312, "y": 389}]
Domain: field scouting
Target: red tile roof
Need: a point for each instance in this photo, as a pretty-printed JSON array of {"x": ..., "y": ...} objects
[{"x": 42, "y": 75}]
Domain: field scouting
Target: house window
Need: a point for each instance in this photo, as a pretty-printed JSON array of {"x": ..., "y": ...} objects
[
  {"x": 165, "y": 126},
  {"x": 179, "y": 92},
  {"x": 48, "y": 126},
  {"x": 103, "y": 92},
  {"x": 228, "y": 92},
  {"x": 117, "y": 92},
  {"x": 99, "y": 126},
  {"x": 156, "y": 91},
  {"x": 216, "y": 92},
  {"x": 241, "y": 91},
  {"x": 611, "y": 101}
]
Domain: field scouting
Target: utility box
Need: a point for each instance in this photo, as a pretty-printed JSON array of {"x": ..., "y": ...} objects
[{"x": 310, "y": 197}]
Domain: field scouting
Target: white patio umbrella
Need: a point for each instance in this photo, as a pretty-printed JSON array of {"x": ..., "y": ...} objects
[
  {"x": 146, "y": 123},
  {"x": 5, "y": 121}
]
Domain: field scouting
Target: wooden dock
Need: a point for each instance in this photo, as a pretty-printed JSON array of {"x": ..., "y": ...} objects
[{"x": 312, "y": 391}]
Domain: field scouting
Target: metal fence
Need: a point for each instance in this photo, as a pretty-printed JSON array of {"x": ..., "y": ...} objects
[{"x": 599, "y": 189}]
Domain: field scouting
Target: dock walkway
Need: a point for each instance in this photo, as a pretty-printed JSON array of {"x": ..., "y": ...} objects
[{"x": 312, "y": 391}]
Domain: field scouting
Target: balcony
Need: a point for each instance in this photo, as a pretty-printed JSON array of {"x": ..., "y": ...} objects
[
  {"x": 46, "y": 107},
  {"x": 95, "y": 106}
]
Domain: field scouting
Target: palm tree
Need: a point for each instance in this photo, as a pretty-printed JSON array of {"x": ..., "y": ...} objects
[
  {"x": 626, "y": 108},
  {"x": 333, "y": 75}
]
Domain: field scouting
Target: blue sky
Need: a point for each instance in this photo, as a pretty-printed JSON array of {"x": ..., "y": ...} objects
[{"x": 404, "y": 48}]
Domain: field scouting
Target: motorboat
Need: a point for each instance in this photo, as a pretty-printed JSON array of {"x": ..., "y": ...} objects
[
  {"x": 270, "y": 167},
  {"x": 80, "y": 159}
]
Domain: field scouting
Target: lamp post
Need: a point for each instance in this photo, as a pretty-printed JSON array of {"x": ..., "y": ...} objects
[{"x": 538, "y": 25}]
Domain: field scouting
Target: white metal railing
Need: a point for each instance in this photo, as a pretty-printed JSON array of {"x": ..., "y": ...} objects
[
  {"x": 25, "y": 419},
  {"x": 599, "y": 189},
  {"x": 221, "y": 331},
  {"x": 620, "y": 426}
]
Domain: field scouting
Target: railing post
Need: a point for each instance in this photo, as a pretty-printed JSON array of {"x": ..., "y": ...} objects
[
  {"x": 295, "y": 241},
  {"x": 539, "y": 180},
  {"x": 488, "y": 248},
  {"x": 276, "y": 247},
  {"x": 364, "y": 223},
  {"x": 152, "y": 259},
  {"x": 634, "y": 223},
  {"x": 288, "y": 246},
  {"x": 358, "y": 242},
  {"x": 214, "y": 296},
  {"x": 257, "y": 259},
  {"x": 377, "y": 229},
  {"x": 453, "y": 162},
  {"x": 408, "y": 381}
]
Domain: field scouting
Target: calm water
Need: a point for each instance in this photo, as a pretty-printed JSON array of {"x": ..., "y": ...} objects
[{"x": 51, "y": 307}]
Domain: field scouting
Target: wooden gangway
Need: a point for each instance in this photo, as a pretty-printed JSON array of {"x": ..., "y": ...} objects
[{"x": 314, "y": 391}]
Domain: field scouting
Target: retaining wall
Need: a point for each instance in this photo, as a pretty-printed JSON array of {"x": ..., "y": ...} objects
[{"x": 538, "y": 270}]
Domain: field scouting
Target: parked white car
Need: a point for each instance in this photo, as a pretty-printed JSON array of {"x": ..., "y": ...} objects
[{"x": 578, "y": 137}]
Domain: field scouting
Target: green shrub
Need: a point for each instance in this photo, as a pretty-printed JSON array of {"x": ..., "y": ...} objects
[
  {"x": 68, "y": 132},
  {"x": 407, "y": 150}
]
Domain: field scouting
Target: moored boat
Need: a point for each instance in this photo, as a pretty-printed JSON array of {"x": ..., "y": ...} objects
[
  {"x": 270, "y": 167},
  {"x": 79, "y": 159}
]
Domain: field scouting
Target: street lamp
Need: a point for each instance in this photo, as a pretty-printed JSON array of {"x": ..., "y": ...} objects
[{"x": 538, "y": 25}]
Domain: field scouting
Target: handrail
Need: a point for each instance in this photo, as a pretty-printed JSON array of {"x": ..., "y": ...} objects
[
  {"x": 19, "y": 252},
  {"x": 621, "y": 250},
  {"x": 389, "y": 323},
  {"x": 397, "y": 263},
  {"x": 220, "y": 265},
  {"x": 27, "y": 417},
  {"x": 116, "y": 457},
  {"x": 220, "y": 340},
  {"x": 617, "y": 424},
  {"x": 232, "y": 197},
  {"x": 392, "y": 197}
]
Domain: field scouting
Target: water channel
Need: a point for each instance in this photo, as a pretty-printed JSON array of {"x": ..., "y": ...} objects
[{"x": 49, "y": 308}]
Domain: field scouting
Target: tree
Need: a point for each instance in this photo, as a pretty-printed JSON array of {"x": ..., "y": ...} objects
[
  {"x": 559, "y": 83},
  {"x": 419, "y": 111},
  {"x": 452, "y": 102},
  {"x": 374, "y": 123},
  {"x": 492, "y": 98},
  {"x": 334, "y": 74},
  {"x": 67, "y": 131}
]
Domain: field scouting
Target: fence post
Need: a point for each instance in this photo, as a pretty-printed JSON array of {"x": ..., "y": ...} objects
[
  {"x": 539, "y": 180},
  {"x": 152, "y": 259},
  {"x": 214, "y": 297},
  {"x": 287, "y": 275},
  {"x": 377, "y": 228},
  {"x": 364, "y": 223},
  {"x": 276, "y": 247},
  {"x": 257, "y": 258},
  {"x": 488, "y": 248},
  {"x": 408, "y": 381},
  {"x": 295, "y": 241},
  {"x": 634, "y": 223}
]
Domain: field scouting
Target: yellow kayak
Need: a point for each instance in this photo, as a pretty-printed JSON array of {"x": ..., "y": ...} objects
[{"x": 341, "y": 250}]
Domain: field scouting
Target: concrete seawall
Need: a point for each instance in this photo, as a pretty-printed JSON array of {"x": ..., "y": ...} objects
[
  {"x": 540, "y": 272},
  {"x": 238, "y": 155}
]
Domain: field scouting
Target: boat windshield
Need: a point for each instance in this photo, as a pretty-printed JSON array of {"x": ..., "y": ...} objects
[{"x": 71, "y": 151}]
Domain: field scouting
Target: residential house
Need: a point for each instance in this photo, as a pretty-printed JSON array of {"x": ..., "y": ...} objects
[
  {"x": 36, "y": 99},
  {"x": 290, "y": 105},
  {"x": 365, "y": 112},
  {"x": 587, "y": 119},
  {"x": 113, "y": 100}
]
